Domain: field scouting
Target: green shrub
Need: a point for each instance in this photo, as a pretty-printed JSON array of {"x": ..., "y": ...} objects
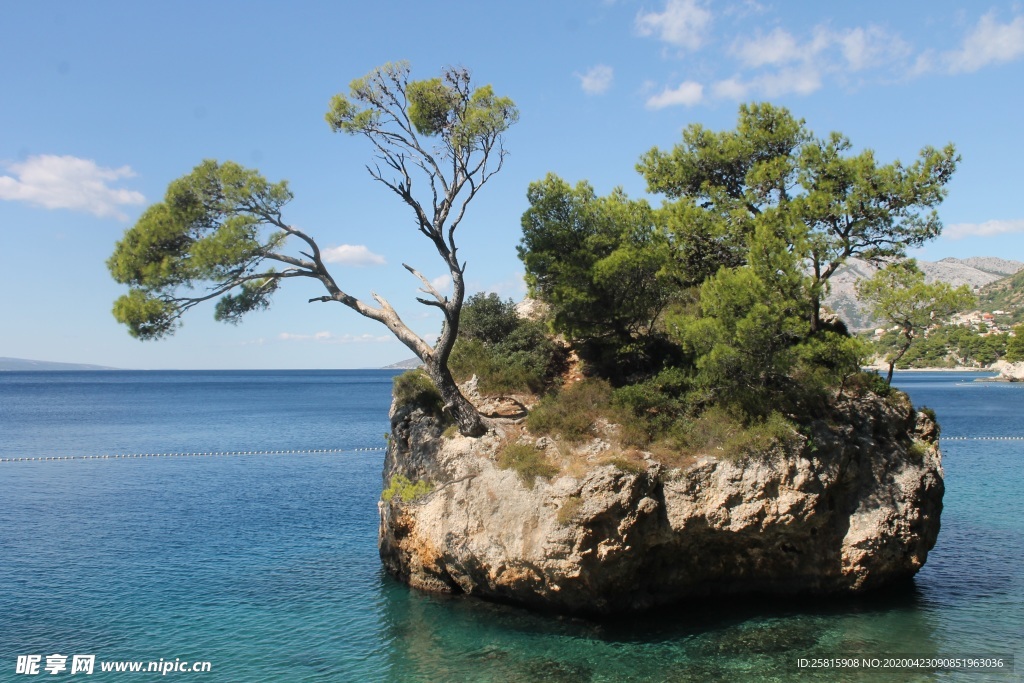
[
  {"x": 711, "y": 431},
  {"x": 416, "y": 388},
  {"x": 917, "y": 451},
  {"x": 828, "y": 360},
  {"x": 405, "y": 490},
  {"x": 501, "y": 369},
  {"x": 571, "y": 412},
  {"x": 527, "y": 461},
  {"x": 486, "y": 318},
  {"x": 866, "y": 382},
  {"x": 570, "y": 508},
  {"x": 506, "y": 353},
  {"x": 765, "y": 436},
  {"x": 721, "y": 432},
  {"x": 649, "y": 409}
]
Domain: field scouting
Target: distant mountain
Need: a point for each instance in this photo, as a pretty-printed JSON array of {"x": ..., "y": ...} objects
[
  {"x": 409, "y": 364},
  {"x": 976, "y": 272},
  {"x": 23, "y": 364},
  {"x": 1006, "y": 294},
  {"x": 991, "y": 264}
]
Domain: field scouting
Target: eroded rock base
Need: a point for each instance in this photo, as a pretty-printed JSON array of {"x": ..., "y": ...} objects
[{"x": 856, "y": 506}]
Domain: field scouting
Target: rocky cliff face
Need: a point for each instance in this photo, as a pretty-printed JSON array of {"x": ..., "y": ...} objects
[
  {"x": 855, "y": 507},
  {"x": 1009, "y": 372}
]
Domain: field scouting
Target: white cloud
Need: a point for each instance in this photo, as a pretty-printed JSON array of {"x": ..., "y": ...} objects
[
  {"x": 441, "y": 282},
  {"x": 988, "y": 43},
  {"x": 684, "y": 23},
  {"x": 871, "y": 47},
  {"x": 688, "y": 94},
  {"x": 67, "y": 182},
  {"x": 352, "y": 255},
  {"x": 860, "y": 48},
  {"x": 596, "y": 80},
  {"x": 325, "y": 337},
  {"x": 730, "y": 89},
  {"x": 959, "y": 231},
  {"x": 802, "y": 80},
  {"x": 784, "y": 65},
  {"x": 777, "y": 47}
]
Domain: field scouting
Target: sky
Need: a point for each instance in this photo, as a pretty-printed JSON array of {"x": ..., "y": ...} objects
[{"x": 102, "y": 104}]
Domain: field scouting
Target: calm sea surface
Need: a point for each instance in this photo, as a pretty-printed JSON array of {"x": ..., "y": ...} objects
[{"x": 266, "y": 565}]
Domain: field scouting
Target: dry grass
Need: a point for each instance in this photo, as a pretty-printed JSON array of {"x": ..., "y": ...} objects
[{"x": 528, "y": 462}]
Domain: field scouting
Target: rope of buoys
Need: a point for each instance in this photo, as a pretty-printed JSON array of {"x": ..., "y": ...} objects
[
  {"x": 982, "y": 438},
  {"x": 118, "y": 456}
]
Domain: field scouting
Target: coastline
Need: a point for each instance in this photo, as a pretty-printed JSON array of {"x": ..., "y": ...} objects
[
  {"x": 956, "y": 369},
  {"x": 878, "y": 368}
]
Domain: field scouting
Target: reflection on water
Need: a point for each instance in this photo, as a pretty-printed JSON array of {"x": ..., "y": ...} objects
[{"x": 462, "y": 639}]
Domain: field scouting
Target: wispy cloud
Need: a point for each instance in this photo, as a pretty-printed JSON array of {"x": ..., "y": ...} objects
[
  {"x": 871, "y": 47},
  {"x": 777, "y": 47},
  {"x": 352, "y": 255},
  {"x": 778, "y": 62},
  {"x": 688, "y": 93},
  {"x": 67, "y": 182},
  {"x": 785, "y": 65},
  {"x": 331, "y": 338},
  {"x": 989, "y": 42},
  {"x": 992, "y": 228},
  {"x": 597, "y": 79},
  {"x": 684, "y": 24},
  {"x": 442, "y": 282}
]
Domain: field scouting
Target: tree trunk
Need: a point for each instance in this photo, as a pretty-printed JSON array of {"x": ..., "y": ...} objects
[
  {"x": 816, "y": 295},
  {"x": 892, "y": 363},
  {"x": 465, "y": 414}
]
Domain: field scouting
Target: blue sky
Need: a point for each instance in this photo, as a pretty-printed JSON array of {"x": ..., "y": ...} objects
[{"x": 105, "y": 103}]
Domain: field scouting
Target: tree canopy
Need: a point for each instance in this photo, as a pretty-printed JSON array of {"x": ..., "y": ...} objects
[
  {"x": 220, "y": 233},
  {"x": 771, "y": 167},
  {"x": 596, "y": 260},
  {"x": 730, "y": 270},
  {"x": 899, "y": 295}
]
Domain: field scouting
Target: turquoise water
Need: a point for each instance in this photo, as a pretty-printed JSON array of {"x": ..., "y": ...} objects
[{"x": 266, "y": 565}]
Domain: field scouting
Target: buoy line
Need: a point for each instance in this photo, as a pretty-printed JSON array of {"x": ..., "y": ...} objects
[
  {"x": 207, "y": 454},
  {"x": 981, "y": 438},
  {"x": 119, "y": 456}
]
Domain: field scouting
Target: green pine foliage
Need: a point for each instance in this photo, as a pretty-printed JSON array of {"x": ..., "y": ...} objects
[
  {"x": 402, "y": 489},
  {"x": 950, "y": 346},
  {"x": 572, "y": 412},
  {"x": 1015, "y": 345},
  {"x": 899, "y": 296},
  {"x": 415, "y": 388},
  {"x": 699, "y": 322},
  {"x": 507, "y": 353}
]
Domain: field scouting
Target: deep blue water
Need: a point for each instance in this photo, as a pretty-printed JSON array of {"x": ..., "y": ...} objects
[{"x": 266, "y": 565}]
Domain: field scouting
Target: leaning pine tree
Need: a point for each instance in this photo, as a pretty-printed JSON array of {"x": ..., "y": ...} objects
[{"x": 220, "y": 234}]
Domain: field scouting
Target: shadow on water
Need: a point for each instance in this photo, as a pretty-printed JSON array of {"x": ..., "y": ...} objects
[{"x": 458, "y": 638}]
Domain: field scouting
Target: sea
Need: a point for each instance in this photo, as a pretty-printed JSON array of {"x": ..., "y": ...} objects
[{"x": 229, "y": 519}]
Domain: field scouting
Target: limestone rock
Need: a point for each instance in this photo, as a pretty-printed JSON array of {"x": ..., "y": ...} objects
[
  {"x": 532, "y": 309},
  {"x": 1009, "y": 372},
  {"x": 855, "y": 507}
]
